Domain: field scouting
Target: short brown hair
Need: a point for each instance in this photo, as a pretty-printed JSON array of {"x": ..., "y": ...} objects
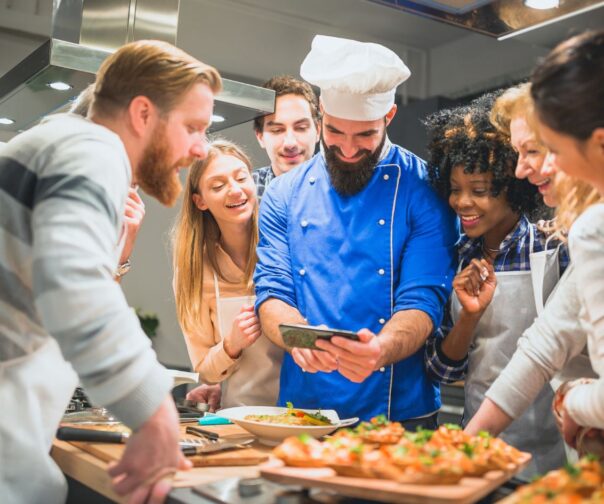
[
  {"x": 152, "y": 68},
  {"x": 284, "y": 85}
]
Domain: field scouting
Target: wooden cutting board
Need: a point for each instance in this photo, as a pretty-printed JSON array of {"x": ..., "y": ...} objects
[
  {"x": 253, "y": 455},
  {"x": 467, "y": 491}
]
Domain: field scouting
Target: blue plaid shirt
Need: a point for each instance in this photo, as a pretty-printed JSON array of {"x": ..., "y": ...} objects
[
  {"x": 262, "y": 178},
  {"x": 513, "y": 255}
]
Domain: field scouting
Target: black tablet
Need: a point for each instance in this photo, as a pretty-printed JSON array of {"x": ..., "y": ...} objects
[{"x": 305, "y": 336}]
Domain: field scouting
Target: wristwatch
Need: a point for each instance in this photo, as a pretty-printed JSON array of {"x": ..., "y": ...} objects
[{"x": 123, "y": 268}]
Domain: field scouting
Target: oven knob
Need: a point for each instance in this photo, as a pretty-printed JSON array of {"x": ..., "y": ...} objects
[{"x": 249, "y": 487}]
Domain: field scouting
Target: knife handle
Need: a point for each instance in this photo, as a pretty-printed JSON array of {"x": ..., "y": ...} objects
[
  {"x": 188, "y": 451},
  {"x": 90, "y": 435}
]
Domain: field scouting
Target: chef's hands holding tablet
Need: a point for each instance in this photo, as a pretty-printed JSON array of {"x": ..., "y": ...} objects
[
  {"x": 356, "y": 360},
  {"x": 353, "y": 355}
]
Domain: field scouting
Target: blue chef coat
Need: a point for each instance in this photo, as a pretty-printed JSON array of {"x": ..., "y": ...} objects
[{"x": 351, "y": 262}]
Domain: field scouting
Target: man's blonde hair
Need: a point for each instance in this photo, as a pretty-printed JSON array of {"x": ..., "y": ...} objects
[{"x": 152, "y": 68}]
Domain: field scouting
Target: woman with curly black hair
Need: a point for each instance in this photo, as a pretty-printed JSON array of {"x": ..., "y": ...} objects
[{"x": 471, "y": 164}]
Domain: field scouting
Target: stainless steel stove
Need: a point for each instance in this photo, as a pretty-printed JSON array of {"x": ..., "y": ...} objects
[
  {"x": 255, "y": 491},
  {"x": 79, "y": 401}
]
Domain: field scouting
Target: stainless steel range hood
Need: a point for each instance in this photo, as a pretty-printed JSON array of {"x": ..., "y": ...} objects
[{"x": 82, "y": 34}]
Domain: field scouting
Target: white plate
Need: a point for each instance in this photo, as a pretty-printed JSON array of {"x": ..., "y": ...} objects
[{"x": 272, "y": 434}]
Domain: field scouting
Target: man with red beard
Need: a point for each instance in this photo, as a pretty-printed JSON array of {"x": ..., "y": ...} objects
[
  {"x": 356, "y": 239},
  {"x": 63, "y": 187}
]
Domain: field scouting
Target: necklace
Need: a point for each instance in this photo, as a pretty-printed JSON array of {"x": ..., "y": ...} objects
[{"x": 489, "y": 250}]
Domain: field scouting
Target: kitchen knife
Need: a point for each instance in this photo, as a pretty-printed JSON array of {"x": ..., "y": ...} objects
[
  {"x": 91, "y": 435},
  {"x": 216, "y": 446},
  {"x": 198, "y": 431}
]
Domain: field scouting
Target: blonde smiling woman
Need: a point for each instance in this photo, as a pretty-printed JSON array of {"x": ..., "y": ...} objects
[{"x": 214, "y": 242}]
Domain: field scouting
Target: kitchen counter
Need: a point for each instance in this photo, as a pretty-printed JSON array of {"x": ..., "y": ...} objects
[{"x": 91, "y": 471}]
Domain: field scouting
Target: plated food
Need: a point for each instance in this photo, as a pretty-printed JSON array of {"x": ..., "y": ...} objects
[
  {"x": 582, "y": 482},
  {"x": 292, "y": 416},
  {"x": 273, "y": 424},
  {"x": 383, "y": 449}
]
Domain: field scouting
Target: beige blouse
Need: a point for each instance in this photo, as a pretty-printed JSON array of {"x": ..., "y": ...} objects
[{"x": 205, "y": 345}]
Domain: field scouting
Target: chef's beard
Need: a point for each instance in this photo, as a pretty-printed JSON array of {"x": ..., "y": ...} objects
[
  {"x": 156, "y": 176},
  {"x": 350, "y": 178}
]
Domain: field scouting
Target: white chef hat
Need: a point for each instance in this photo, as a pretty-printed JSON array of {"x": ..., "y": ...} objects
[{"x": 357, "y": 79}]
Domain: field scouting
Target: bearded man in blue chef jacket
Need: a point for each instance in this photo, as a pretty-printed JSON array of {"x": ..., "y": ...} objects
[{"x": 356, "y": 239}]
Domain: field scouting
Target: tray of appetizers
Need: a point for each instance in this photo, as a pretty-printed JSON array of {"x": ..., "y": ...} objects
[{"x": 380, "y": 460}]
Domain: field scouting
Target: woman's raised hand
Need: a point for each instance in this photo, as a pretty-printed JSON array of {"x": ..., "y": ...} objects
[
  {"x": 475, "y": 286},
  {"x": 244, "y": 332}
]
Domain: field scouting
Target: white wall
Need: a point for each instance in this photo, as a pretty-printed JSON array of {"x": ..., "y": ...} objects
[
  {"x": 258, "y": 43},
  {"x": 475, "y": 62}
]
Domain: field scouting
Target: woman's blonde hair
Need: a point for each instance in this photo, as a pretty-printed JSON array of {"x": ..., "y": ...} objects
[
  {"x": 514, "y": 102},
  {"x": 575, "y": 196},
  {"x": 195, "y": 237}
]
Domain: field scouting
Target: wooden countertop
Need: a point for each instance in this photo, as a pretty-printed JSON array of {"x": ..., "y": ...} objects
[{"x": 91, "y": 471}]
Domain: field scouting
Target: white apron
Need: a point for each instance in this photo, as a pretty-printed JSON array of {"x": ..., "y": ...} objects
[
  {"x": 34, "y": 391},
  {"x": 511, "y": 311},
  {"x": 255, "y": 381},
  {"x": 545, "y": 272}
]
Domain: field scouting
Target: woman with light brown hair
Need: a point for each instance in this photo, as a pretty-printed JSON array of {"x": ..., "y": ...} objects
[{"x": 214, "y": 242}]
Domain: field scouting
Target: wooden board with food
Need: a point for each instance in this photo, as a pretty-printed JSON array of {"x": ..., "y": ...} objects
[{"x": 380, "y": 460}]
